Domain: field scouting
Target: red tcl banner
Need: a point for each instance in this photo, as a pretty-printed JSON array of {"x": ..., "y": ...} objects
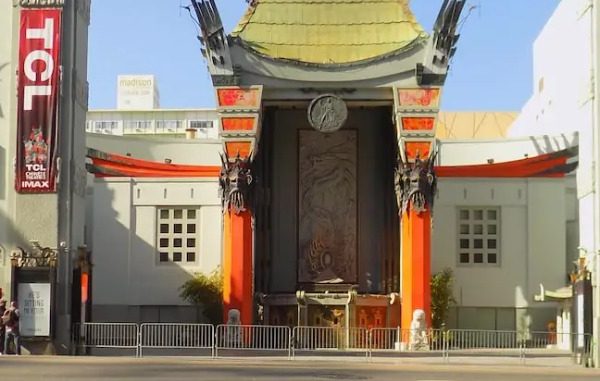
[{"x": 38, "y": 92}]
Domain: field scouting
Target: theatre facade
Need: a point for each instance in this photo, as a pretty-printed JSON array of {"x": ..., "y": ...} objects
[{"x": 327, "y": 199}]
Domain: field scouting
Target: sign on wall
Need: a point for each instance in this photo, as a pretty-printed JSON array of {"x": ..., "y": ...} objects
[
  {"x": 34, "y": 306},
  {"x": 38, "y": 95},
  {"x": 136, "y": 92}
]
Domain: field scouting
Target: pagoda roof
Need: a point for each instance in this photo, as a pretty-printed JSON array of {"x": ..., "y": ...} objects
[{"x": 329, "y": 32}]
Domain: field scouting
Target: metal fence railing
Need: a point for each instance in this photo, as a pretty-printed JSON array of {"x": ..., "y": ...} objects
[
  {"x": 234, "y": 339},
  {"x": 397, "y": 339},
  {"x": 577, "y": 346},
  {"x": 521, "y": 344},
  {"x": 253, "y": 337},
  {"x": 481, "y": 342},
  {"x": 107, "y": 335},
  {"x": 177, "y": 336},
  {"x": 330, "y": 339}
]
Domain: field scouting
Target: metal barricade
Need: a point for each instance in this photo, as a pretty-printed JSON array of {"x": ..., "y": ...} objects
[
  {"x": 177, "y": 336},
  {"x": 253, "y": 337},
  {"x": 107, "y": 335},
  {"x": 330, "y": 339},
  {"x": 519, "y": 345},
  {"x": 407, "y": 340},
  {"x": 485, "y": 342},
  {"x": 559, "y": 344},
  {"x": 385, "y": 339}
]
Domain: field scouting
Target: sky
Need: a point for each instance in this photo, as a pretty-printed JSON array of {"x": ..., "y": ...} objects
[{"x": 491, "y": 71}]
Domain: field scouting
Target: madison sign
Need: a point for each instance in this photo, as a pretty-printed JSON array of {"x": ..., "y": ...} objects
[{"x": 38, "y": 87}]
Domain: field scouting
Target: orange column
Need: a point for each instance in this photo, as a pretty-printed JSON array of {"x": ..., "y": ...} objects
[
  {"x": 237, "y": 265},
  {"x": 416, "y": 265}
]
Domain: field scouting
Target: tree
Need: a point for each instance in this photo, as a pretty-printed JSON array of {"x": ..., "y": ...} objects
[
  {"x": 442, "y": 297},
  {"x": 205, "y": 291}
]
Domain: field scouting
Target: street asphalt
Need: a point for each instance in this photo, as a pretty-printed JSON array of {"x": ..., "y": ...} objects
[{"x": 188, "y": 368}]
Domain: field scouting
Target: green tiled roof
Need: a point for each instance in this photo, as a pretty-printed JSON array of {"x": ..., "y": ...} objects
[{"x": 329, "y": 31}]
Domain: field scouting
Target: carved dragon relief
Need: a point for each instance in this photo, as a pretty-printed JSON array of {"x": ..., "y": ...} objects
[
  {"x": 235, "y": 184},
  {"x": 327, "y": 231},
  {"x": 38, "y": 257},
  {"x": 416, "y": 185}
]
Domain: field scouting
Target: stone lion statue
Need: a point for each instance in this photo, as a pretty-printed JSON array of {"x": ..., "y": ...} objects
[
  {"x": 418, "y": 332},
  {"x": 233, "y": 334}
]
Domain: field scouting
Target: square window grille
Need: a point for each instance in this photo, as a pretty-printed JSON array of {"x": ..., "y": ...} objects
[
  {"x": 478, "y": 236},
  {"x": 177, "y": 235}
]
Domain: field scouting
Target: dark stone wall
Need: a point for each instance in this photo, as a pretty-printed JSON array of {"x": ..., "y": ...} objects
[{"x": 278, "y": 227}]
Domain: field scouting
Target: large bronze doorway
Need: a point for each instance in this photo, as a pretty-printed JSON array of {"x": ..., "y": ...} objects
[
  {"x": 327, "y": 207},
  {"x": 326, "y": 216}
]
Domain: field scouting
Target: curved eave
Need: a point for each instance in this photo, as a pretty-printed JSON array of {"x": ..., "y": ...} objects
[
  {"x": 415, "y": 44},
  {"x": 562, "y": 294},
  {"x": 555, "y": 164},
  {"x": 386, "y": 69},
  {"x": 552, "y": 165},
  {"x": 110, "y": 165}
]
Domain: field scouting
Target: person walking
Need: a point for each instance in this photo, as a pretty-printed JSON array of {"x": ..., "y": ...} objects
[
  {"x": 2, "y": 327},
  {"x": 11, "y": 323}
]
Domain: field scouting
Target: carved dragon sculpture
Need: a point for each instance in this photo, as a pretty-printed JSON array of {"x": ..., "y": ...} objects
[
  {"x": 416, "y": 185},
  {"x": 235, "y": 184}
]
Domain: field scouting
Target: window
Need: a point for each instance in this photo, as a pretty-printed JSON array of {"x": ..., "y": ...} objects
[
  {"x": 169, "y": 126},
  {"x": 177, "y": 238},
  {"x": 201, "y": 123},
  {"x": 478, "y": 236},
  {"x": 137, "y": 127},
  {"x": 109, "y": 127}
]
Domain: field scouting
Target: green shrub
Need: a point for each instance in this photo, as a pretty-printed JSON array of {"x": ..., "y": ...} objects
[
  {"x": 205, "y": 291},
  {"x": 442, "y": 297}
]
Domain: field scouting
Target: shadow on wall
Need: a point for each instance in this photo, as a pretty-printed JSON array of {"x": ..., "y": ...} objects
[
  {"x": 13, "y": 239},
  {"x": 548, "y": 144},
  {"x": 3, "y": 176},
  {"x": 127, "y": 268},
  {"x": 3, "y": 163},
  {"x": 10, "y": 239},
  {"x": 2, "y": 108}
]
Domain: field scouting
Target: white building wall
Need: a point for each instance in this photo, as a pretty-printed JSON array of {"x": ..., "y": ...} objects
[
  {"x": 501, "y": 281},
  {"x": 127, "y": 274},
  {"x": 180, "y": 151},
  {"x": 546, "y": 234},
  {"x": 150, "y": 122},
  {"x": 562, "y": 98},
  {"x": 565, "y": 99},
  {"x": 8, "y": 66},
  {"x": 111, "y": 236},
  {"x": 502, "y": 297},
  {"x": 468, "y": 152},
  {"x": 529, "y": 209},
  {"x": 55, "y": 220}
]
